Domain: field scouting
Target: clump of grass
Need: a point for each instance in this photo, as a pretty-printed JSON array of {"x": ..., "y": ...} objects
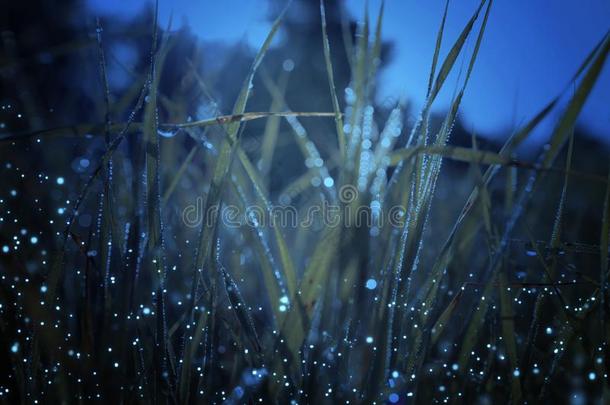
[{"x": 331, "y": 310}]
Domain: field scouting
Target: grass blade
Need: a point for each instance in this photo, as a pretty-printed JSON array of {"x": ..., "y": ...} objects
[
  {"x": 568, "y": 120},
  {"x": 331, "y": 84}
]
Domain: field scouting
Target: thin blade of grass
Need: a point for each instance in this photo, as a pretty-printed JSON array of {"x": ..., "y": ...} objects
[
  {"x": 331, "y": 83},
  {"x": 221, "y": 168},
  {"x": 507, "y": 319},
  {"x": 172, "y": 186},
  {"x": 240, "y": 309},
  {"x": 220, "y": 171},
  {"x": 272, "y": 126},
  {"x": 437, "y": 48},
  {"x": 452, "y": 56},
  {"x": 568, "y": 120},
  {"x": 88, "y": 130}
]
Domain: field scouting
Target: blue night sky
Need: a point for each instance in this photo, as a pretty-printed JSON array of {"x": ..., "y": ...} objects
[{"x": 530, "y": 51}]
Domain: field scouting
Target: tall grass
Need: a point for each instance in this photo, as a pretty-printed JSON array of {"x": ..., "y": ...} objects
[{"x": 492, "y": 301}]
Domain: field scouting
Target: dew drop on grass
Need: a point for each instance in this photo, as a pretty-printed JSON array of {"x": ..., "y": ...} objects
[
  {"x": 371, "y": 284},
  {"x": 167, "y": 133},
  {"x": 288, "y": 65},
  {"x": 329, "y": 182}
]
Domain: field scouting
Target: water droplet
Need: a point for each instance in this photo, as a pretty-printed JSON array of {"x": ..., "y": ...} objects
[
  {"x": 167, "y": 133},
  {"x": 288, "y": 65}
]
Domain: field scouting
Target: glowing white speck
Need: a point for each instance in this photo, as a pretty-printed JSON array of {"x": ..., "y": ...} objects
[{"x": 60, "y": 180}]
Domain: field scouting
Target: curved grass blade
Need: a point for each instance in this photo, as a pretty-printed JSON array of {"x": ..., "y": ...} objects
[
  {"x": 240, "y": 309},
  {"x": 331, "y": 84},
  {"x": 172, "y": 186},
  {"x": 220, "y": 171},
  {"x": 437, "y": 49},
  {"x": 568, "y": 120},
  {"x": 507, "y": 318},
  {"x": 452, "y": 56},
  {"x": 87, "y": 130},
  {"x": 254, "y": 178},
  {"x": 225, "y": 157},
  {"x": 272, "y": 126}
]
